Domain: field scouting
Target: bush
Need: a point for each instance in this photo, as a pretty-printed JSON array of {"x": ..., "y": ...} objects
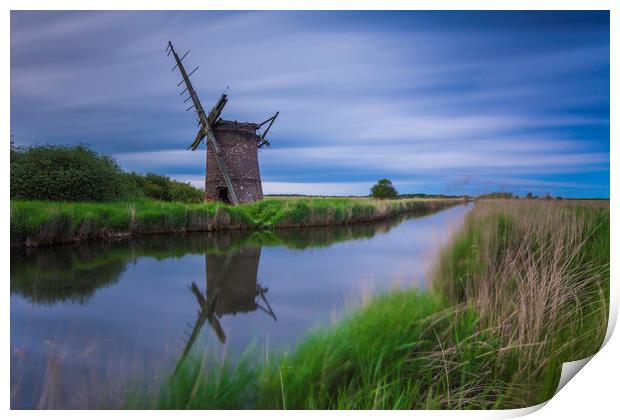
[
  {"x": 162, "y": 188},
  {"x": 77, "y": 173},
  {"x": 63, "y": 173},
  {"x": 383, "y": 189},
  {"x": 180, "y": 191}
]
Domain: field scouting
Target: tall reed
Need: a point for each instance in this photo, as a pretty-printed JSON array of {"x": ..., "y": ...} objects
[{"x": 537, "y": 273}]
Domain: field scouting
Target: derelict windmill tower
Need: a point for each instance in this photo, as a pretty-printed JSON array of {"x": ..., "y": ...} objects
[{"x": 232, "y": 172}]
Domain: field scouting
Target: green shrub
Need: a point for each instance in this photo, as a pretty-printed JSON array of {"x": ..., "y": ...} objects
[
  {"x": 63, "y": 173},
  {"x": 77, "y": 173},
  {"x": 180, "y": 191},
  {"x": 162, "y": 188}
]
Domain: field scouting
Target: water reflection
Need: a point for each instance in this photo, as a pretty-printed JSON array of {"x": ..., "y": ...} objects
[
  {"x": 74, "y": 272},
  {"x": 231, "y": 288},
  {"x": 89, "y": 320},
  {"x": 231, "y": 283},
  {"x": 61, "y": 274}
]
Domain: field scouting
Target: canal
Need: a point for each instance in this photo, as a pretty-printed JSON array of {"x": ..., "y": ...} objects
[{"x": 90, "y": 322}]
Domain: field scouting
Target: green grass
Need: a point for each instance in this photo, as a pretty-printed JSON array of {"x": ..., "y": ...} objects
[
  {"x": 522, "y": 288},
  {"x": 376, "y": 359},
  {"x": 43, "y": 222},
  {"x": 370, "y": 359}
]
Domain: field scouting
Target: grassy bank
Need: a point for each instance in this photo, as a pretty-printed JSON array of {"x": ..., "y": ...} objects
[
  {"x": 522, "y": 288},
  {"x": 42, "y": 222}
]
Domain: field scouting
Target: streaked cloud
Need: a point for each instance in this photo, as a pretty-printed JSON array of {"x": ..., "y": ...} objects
[{"x": 426, "y": 98}]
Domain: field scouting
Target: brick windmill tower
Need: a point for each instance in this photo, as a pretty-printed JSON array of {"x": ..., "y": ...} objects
[{"x": 232, "y": 172}]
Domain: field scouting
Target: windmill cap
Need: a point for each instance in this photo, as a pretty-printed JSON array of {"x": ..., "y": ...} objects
[{"x": 236, "y": 125}]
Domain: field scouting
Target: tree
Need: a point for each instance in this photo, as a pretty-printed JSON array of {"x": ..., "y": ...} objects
[
  {"x": 77, "y": 173},
  {"x": 498, "y": 195},
  {"x": 383, "y": 189},
  {"x": 63, "y": 173},
  {"x": 529, "y": 195}
]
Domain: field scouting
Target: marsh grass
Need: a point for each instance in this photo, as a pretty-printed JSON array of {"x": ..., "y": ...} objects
[
  {"x": 384, "y": 356},
  {"x": 42, "y": 222},
  {"x": 522, "y": 288},
  {"x": 203, "y": 385},
  {"x": 537, "y": 274}
]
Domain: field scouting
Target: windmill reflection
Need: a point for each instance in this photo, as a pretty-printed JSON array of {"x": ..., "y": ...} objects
[{"x": 232, "y": 288}]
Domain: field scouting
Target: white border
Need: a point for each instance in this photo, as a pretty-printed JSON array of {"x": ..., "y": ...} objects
[{"x": 592, "y": 393}]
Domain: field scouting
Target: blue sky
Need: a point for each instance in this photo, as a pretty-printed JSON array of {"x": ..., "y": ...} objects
[{"x": 439, "y": 102}]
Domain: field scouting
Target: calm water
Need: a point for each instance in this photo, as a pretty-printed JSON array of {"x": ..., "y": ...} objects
[{"x": 89, "y": 321}]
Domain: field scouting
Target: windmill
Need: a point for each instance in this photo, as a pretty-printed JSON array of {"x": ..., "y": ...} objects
[{"x": 232, "y": 172}]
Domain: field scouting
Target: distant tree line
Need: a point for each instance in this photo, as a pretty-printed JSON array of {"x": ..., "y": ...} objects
[
  {"x": 529, "y": 196},
  {"x": 422, "y": 195},
  {"x": 385, "y": 189},
  {"x": 498, "y": 195},
  {"x": 78, "y": 173}
]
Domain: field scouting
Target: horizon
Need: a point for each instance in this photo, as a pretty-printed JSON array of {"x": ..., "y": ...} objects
[{"x": 454, "y": 103}]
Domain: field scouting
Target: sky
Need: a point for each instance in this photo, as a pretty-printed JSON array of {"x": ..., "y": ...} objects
[{"x": 439, "y": 102}]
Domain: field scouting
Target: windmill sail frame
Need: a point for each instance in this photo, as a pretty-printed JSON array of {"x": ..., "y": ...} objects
[{"x": 205, "y": 129}]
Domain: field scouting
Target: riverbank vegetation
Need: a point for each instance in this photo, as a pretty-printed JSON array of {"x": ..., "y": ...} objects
[
  {"x": 523, "y": 287},
  {"x": 44, "y": 222},
  {"x": 72, "y": 193},
  {"x": 537, "y": 275},
  {"x": 79, "y": 174}
]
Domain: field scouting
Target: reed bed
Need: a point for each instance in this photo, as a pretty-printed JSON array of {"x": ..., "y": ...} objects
[
  {"x": 537, "y": 274},
  {"x": 522, "y": 288}
]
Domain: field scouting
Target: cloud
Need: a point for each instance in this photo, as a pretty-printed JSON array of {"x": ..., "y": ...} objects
[
  {"x": 317, "y": 188},
  {"x": 362, "y": 95},
  {"x": 409, "y": 160}
]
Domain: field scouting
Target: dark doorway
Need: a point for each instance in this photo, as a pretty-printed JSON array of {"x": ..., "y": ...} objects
[{"x": 222, "y": 194}]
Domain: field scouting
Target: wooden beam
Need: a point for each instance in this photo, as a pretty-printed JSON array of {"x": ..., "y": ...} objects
[
  {"x": 211, "y": 119},
  {"x": 201, "y": 135},
  {"x": 263, "y": 141},
  {"x": 217, "y": 109},
  {"x": 270, "y": 124},
  {"x": 188, "y": 84}
]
